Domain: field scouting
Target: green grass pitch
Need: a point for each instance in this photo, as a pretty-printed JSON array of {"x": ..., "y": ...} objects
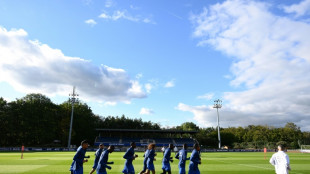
[{"x": 221, "y": 163}]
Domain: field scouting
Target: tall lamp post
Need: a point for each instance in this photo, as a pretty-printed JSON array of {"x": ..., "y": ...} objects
[
  {"x": 73, "y": 100},
  {"x": 217, "y": 105}
]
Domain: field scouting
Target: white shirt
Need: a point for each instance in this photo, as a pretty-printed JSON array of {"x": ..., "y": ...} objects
[
  {"x": 281, "y": 162},
  {"x": 175, "y": 149}
]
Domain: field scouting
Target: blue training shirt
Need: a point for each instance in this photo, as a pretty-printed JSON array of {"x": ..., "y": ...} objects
[
  {"x": 167, "y": 155},
  {"x": 146, "y": 155},
  {"x": 151, "y": 156},
  {"x": 182, "y": 156},
  {"x": 97, "y": 155},
  {"x": 103, "y": 161},
  {"x": 129, "y": 155},
  {"x": 194, "y": 159},
  {"x": 78, "y": 158}
]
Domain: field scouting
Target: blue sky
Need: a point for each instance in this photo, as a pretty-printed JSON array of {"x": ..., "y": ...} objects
[{"x": 163, "y": 61}]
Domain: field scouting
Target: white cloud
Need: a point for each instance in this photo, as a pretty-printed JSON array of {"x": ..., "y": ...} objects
[
  {"x": 170, "y": 84},
  {"x": 88, "y": 2},
  {"x": 91, "y": 22},
  {"x": 30, "y": 66},
  {"x": 303, "y": 8},
  {"x": 110, "y": 103},
  {"x": 109, "y": 3},
  {"x": 118, "y": 14},
  {"x": 134, "y": 7},
  {"x": 146, "y": 111},
  {"x": 151, "y": 85},
  {"x": 104, "y": 16},
  {"x": 200, "y": 113},
  {"x": 206, "y": 116},
  {"x": 148, "y": 87},
  {"x": 7, "y": 99},
  {"x": 139, "y": 76},
  {"x": 207, "y": 96},
  {"x": 271, "y": 61},
  {"x": 146, "y": 20}
]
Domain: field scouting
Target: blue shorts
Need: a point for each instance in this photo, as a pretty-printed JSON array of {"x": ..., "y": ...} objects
[
  {"x": 78, "y": 171},
  {"x": 166, "y": 166},
  {"x": 95, "y": 165},
  {"x": 105, "y": 172},
  {"x": 71, "y": 167},
  {"x": 182, "y": 170},
  {"x": 128, "y": 169},
  {"x": 193, "y": 171},
  {"x": 100, "y": 169},
  {"x": 151, "y": 166},
  {"x": 144, "y": 167}
]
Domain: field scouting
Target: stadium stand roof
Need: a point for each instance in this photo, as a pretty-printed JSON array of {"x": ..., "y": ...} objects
[{"x": 148, "y": 131}]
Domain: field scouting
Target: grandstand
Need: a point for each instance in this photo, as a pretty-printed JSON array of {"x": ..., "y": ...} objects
[{"x": 123, "y": 137}]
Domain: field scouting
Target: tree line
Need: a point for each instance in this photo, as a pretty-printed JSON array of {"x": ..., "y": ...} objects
[
  {"x": 34, "y": 120},
  {"x": 252, "y": 136}
]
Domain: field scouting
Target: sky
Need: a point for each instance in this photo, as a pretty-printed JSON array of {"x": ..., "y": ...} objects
[{"x": 163, "y": 61}]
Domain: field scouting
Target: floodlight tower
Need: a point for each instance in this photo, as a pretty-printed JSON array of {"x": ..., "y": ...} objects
[
  {"x": 73, "y": 100},
  {"x": 217, "y": 105}
]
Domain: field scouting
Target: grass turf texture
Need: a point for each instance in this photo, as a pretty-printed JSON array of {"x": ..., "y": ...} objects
[{"x": 221, "y": 163}]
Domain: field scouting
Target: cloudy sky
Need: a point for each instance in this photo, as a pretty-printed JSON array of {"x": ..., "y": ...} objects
[{"x": 163, "y": 61}]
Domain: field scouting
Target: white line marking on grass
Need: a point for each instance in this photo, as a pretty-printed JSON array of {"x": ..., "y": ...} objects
[{"x": 247, "y": 165}]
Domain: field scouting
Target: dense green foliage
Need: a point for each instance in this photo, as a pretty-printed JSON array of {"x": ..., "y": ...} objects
[
  {"x": 255, "y": 136},
  {"x": 212, "y": 163},
  {"x": 251, "y": 136},
  {"x": 35, "y": 120}
]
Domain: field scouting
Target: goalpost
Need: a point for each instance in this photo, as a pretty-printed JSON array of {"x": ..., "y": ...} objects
[{"x": 305, "y": 148}]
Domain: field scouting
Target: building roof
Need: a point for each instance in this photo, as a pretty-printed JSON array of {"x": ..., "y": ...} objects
[{"x": 147, "y": 131}]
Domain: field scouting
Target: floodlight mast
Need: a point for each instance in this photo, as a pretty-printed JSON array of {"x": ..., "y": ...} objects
[
  {"x": 73, "y": 100},
  {"x": 217, "y": 105}
]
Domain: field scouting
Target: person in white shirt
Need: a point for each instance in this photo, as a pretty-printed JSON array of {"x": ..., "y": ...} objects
[
  {"x": 175, "y": 149},
  {"x": 163, "y": 149},
  {"x": 280, "y": 161}
]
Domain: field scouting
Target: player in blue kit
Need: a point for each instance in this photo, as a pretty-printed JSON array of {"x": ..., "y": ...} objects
[
  {"x": 78, "y": 159},
  {"x": 182, "y": 156},
  {"x": 103, "y": 161},
  {"x": 146, "y": 154},
  {"x": 195, "y": 160},
  {"x": 97, "y": 157},
  {"x": 167, "y": 159},
  {"x": 130, "y": 156},
  {"x": 150, "y": 159}
]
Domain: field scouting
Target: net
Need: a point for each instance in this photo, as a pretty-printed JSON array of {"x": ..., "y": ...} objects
[{"x": 305, "y": 148}]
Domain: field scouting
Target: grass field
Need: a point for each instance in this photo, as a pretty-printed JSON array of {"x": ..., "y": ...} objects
[{"x": 220, "y": 163}]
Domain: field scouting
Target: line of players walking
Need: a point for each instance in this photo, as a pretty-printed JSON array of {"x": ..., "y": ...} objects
[{"x": 102, "y": 155}]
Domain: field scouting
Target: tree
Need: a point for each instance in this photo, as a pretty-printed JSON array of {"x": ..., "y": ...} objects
[
  {"x": 84, "y": 123},
  {"x": 3, "y": 122},
  {"x": 207, "y": 137},
  {"x": 306, "y": 138},
  {"x": 188, "y": 126},
  {"x": 35, "y": 120}
]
